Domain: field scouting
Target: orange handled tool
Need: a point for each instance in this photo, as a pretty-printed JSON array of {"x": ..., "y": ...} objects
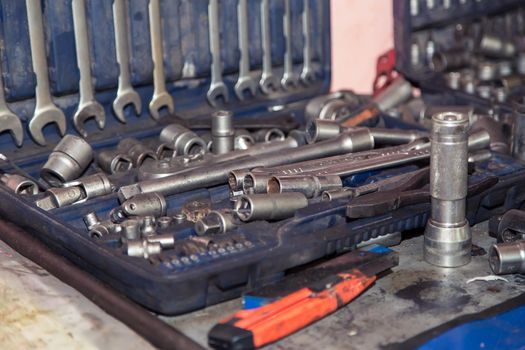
[
  {"x": 248, "y": 329},
  {"x": 368, "y": 113}
]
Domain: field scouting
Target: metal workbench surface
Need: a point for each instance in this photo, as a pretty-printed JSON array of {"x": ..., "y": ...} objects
[{"x": 38, "y": 311}]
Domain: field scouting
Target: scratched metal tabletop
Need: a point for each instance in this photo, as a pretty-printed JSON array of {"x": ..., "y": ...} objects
[{"x": 39, "y": 311}]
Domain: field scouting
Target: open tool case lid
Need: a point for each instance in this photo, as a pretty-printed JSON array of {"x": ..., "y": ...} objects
[
  {"x": 187, "y": 61},
  {"x": 422, "y": 27}
]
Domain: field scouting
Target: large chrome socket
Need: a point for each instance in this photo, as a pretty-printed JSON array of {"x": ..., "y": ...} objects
[
  {"x": 69, "y": 159},
  {"x": 448, "y": 238},
  {"x": 183, "y": 139}
]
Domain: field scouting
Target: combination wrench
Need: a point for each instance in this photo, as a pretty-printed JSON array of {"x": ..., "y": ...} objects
[
  {"x": 46, "y": 111},
  {"x": 161, "y": 98},
  {"x": 126, "y": 95},
  {"x": 88, "y": 107},
  {"x": 245, "y": 82},
  {"x": 307, "y": 74},
  {"x": 269, "y": 82},
  {"x": 9, "y": 121},
  {"x": 218, "y": 89},
  {"x": 289, "y": 80}
]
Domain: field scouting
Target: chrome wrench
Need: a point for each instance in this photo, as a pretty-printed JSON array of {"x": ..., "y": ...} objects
[
  {"x": 161, "y": 98},
  {"x": 218, "y": 89},
  {"x": 88, "y": 107},
  {"x": 349, "y": 164},
  {"x": 9, "y": 121},
  {"x": 307, "y": 74},
  {"x": 46, "y": 111},
  {"x": 126, "y": 95},
  {"x": 289, "y": 80},
  {"x": 269, "y": 82},
  {"x": 245, "y": 82}
]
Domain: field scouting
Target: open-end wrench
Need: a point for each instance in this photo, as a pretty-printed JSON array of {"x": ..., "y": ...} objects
[
  {"x": 8, "y": 120},
  {"x": 289, "y": 79},
  {"x": 245, "y": 82},
  {"x": 307, "y": 74},
  {"x": 161, "y": 98},
  {"x": 218, "y": 89},
  {"x": 46, "y": 111},
  {"x": 126, "y": 95},
  {"x": 88, "y": 107},
  {"x": 268, "y": 82}
]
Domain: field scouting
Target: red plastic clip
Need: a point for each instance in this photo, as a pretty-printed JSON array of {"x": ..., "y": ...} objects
[{"x": 385, "y": 71}]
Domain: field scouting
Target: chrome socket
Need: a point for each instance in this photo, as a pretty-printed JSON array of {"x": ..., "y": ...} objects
[
  {"x": 236, "y": 179},
  {"x": 487, "y": 71},
  {"x": 310, "y": 186},
  {"x": 267, "y": 135},
  {"x": 243, "y": 139},
  {"x": 494, "y": 46},
  {"x": 505, "y": 258},
  {"x": 137, "y": 151},
  {"x": 274, "y": 206},
  {"x": 98, "y": 229},
  {"x": 447, "y": 241},
  {"x": 222, "y": 132},
  {"x": 217, "y": 222},
  {"x": 131, "y": 229},
  {"x": 396, "y": 93},
  {"x": 68, "y": 160},
  {"x": 144, "y": 248},
  {"x": 320, "y": 130},
  {"x": 256, "y": 183},
  {"x": 449, "y": 60},
  {"x": 19, "y": 184},
  {"x": 334, "y": 106},
  {"x": 166, "y": 240},
  {"x": 453, "y": 80},
  {"x": 333, "y": 195},
  {"x": 148, "y": 226},
  {"x": 184, "y": 141},
  {"x": 114, "y": 162},
  {"x": 165, "y": 222}
]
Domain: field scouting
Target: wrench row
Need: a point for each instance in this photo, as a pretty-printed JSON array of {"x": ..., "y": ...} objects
[
  {"x": 47, "y": 112},
  {"x": 246, "y": 84}
]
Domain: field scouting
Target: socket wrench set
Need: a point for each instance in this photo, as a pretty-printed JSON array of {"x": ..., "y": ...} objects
[
  {"x": 470, "y": 50},
  {"x": 183, "y": 154}
]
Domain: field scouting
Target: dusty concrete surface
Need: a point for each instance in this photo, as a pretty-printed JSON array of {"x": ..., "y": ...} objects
[
  {"x": 413, "y": 298},
  {"x": 38, "y": 311}
]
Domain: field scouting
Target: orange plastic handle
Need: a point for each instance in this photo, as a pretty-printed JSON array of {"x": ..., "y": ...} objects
[{"x": 276, "y": 320}]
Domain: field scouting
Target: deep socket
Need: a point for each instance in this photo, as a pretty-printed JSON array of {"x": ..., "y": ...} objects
[{"x": 447, "y": 234}]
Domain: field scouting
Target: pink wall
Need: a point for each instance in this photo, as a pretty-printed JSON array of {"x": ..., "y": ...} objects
[{"x": 361, "y": 31}]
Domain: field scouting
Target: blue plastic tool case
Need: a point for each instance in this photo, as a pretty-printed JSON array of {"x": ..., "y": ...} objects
[
  {"x": 422, "y": 27},
  {"x": 256, "y": 253}
]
